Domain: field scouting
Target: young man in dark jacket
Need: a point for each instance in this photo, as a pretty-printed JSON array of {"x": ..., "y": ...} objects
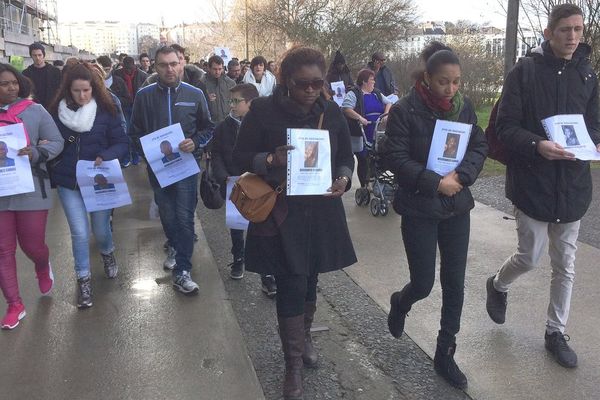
[
  {"x": 164, "y": 103},
  {"x": 384, "y": 79},
  {"x": 45, "y": 77},
  {"x": 550, "y": 189},
  {"x": 224, "y": 167},
  {"x": 218, "y": 85}
]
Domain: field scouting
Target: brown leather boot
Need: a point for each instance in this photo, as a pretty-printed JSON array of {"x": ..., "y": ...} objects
[
  {"x": 291, "y": 331},
  {"x": 309, "y": 356}
]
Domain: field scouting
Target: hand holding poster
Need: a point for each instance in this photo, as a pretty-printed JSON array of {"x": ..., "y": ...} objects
[
  {"x": 15, "y": 170},
  {"x": 570, "y": 132},
  {"x": 309, "y": 164},
  {"x": 233, "y": 218},
  {"x": 448, "y": 146},
  {"x": 102, "y": 187},
  {"x": 339, "y": 92},
  {"x": 168, "y": 163}
]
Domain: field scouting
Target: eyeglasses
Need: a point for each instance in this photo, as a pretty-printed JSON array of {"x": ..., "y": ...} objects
[
  {"x": 303, "y": 84},
  {"x": 381, "y": 61},
  {"x": 173, "y": 64},
  {"x": 234, "y": 101}
]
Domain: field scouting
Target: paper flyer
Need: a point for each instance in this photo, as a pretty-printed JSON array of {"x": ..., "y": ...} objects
[
  {"x": 15, "y": 171},
  {"x": 102, "y": 187},
  {"x": 448, "y": 146},
  {"x": 309, "y": 164},
  {"x": 570, "y": 131}
]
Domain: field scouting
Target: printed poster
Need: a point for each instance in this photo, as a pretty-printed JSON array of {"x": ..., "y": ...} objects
[
  {"x": 448, "y": 146},
  {"x": 168, "y": 163},
  {"x": 102, "y": 187},
  {"x": 339, "y": 92},
  {"x": 570, "y": 132},
  {"x": 233, "y": 218},
  {"x": 15, "y": 171},
  {"x": 224, "y": 53},
  {"x": 309, "y": 163}
]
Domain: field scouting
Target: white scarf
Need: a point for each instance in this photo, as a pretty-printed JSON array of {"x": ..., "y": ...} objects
[
  {"x": 81, "y": 120},
  {"x": 266, "y": 85}
]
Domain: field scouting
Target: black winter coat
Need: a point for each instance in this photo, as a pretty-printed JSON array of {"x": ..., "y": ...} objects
[
  {"x": 119, "y": 89},
  {"x": 106, "y": 139},
  {"x": 409, "y": 134},
  {"x": 549, "y": 191},
  {"x": 304, "y": 234},
  {"x": 221, "y": 150}
]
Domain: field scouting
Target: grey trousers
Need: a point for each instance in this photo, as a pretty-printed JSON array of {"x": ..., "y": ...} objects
[{"x": 533, "y": 236}]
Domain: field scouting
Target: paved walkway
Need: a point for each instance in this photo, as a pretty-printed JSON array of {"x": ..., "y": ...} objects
[
  {"x": 501, "y": 361},
  {"x": 140, "y": 340}
]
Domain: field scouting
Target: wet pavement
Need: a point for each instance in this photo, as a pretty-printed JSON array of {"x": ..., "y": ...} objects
[{"x": 142, "y": 340}]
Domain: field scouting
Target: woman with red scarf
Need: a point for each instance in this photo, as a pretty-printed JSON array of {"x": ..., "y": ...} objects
[{"x": 435, "y": 209}]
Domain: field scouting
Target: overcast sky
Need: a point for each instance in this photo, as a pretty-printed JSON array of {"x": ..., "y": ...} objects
[{"x": 177, "y": 11}]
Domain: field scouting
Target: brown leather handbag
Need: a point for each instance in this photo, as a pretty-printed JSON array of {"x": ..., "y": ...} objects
[{"x": 253, "y": 197}]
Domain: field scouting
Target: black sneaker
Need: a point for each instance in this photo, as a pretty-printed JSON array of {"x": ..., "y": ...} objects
[
  {"x": 269, "y": 287},
  {"x": 446, "y": 367},
  {"x": 496, "y": 302},
  {"x": 84, "y": 297},
  {"x": 397, "y": 316},
  {"x": 556, "y": 343},
  {"x": 237, "y": 269},
  {"x": 110, "y": 265}
]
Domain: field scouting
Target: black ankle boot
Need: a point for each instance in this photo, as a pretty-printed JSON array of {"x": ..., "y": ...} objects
[
  {"x": 446, "y": 367},
  {"x": 398, "y": 313}
]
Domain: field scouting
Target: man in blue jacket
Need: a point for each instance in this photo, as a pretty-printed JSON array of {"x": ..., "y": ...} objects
[{"x": 161, "y": 104}]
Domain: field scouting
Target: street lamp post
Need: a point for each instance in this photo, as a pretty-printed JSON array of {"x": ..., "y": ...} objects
[{"x": 512, "y": 26}]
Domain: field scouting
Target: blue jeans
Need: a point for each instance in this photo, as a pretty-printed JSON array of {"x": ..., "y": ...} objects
[
  {"x": 176, "y": 207},
  {"x": 77, "y": 217}
]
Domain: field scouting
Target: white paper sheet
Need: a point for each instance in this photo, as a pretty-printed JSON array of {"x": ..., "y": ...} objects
[
  {"x": 448, "y": 146},
  {"x": 102, "y": 187},
  {"x": 570, "y": 132},
  {"x": 15, "y": 171},
  {"x": 168, "y": 163},
  {"x": 309, "y": 164},
  {"x": 224, "y": 53},
  {"x": 393, "y": 98},
  {"x": 233, "y": 218},
  {"x": 339, "y": 92}
]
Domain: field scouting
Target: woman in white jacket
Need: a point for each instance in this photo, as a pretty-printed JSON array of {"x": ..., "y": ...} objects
[{"x": 259, "y": 76}]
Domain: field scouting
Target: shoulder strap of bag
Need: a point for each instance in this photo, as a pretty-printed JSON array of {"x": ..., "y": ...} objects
[{"x": 321, "y": 120}]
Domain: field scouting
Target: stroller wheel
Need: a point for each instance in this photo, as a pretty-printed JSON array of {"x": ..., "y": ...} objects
[
  {"x": 362, "y": 196},
  {"x": 383, "y": 208},
  {"x": 374, "y": 206}
]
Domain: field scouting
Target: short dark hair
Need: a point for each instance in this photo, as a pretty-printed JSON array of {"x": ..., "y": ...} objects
[
  {"x": 257, "y": 61},
  {"x": 378, "y": 56},
  {"x": 164, "y": 51},
  {"x": 143, "y": 55},
  {"x": 296, "y": 58},
  {"x": 58, "y": 63},
  {"x": 364, "y": 75},
  {"x": 37, "y": 46},
  {"x": 178, "y": 48},
  {"x": 247, "y": 90},
  {"x": 105, "y": 61},
  {"x": 233, "y": 63},
  {"x": 437, "y": 54},
  {"x": 128, "y": 62},
  {"x": 561, "y": 11},
  {"x": 215, "y": 60},
  {"x": 25, "y": 85}
]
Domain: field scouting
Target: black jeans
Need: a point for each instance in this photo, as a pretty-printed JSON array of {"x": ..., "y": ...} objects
[
  {"x": 237, "y": 243},
  {"x": 293, "y": 291},
  {"x": 421, "y": 236},
  {"x": 362, "y": 168}
]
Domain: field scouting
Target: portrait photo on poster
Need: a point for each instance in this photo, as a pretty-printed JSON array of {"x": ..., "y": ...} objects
[
  {"x": 102, "y": 183},
  {"x": 167, "y": 149},
  {"x": 311, "y": 154},
  {"x": 451, "y": 146},
  {"x": 570, "y": 135},
  {"x": 5, "y": 160}
]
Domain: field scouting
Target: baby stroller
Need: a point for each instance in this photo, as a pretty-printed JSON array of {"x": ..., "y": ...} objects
[{"x": 379, "y": 194}]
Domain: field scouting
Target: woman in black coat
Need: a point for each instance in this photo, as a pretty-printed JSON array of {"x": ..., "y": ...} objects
[
  {"x": 304, "y": 235},
  {"x": 435, "y": 209}
]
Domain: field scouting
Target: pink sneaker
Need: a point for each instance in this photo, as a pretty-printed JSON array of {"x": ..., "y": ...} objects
[
  {"x": 15, "y": 313},
  {"x": 45, "y": 280}
]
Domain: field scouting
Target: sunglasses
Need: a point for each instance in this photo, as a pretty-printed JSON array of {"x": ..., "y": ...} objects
[
  {"x": 235, "y": 102},
  {"x": 316, "y": 84}
]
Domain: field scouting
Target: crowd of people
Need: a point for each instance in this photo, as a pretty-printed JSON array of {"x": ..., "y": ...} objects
[{"x": 237, "y": 115}]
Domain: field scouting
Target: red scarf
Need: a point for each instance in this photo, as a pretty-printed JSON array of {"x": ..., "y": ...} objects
[
  {"x": 433, "y": 103},
  {"x": 128, "y": 77}
]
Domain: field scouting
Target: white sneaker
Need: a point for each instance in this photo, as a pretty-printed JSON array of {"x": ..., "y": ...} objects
[{"x": 184, "y": 283}]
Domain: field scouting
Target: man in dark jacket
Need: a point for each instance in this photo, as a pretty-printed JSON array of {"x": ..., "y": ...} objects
[
  {"x": 550, "y": 189},
  {"x": 384, "y": 79},
  {"x": 217, "y": 89},
  {"x": 45, "y": 77},
  {"x": 164, "y": 103}
]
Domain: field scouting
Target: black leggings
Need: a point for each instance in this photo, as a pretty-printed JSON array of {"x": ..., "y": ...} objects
[
  {"x": 293, "y": 291},
  {"x": 362, "y": 168}
]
